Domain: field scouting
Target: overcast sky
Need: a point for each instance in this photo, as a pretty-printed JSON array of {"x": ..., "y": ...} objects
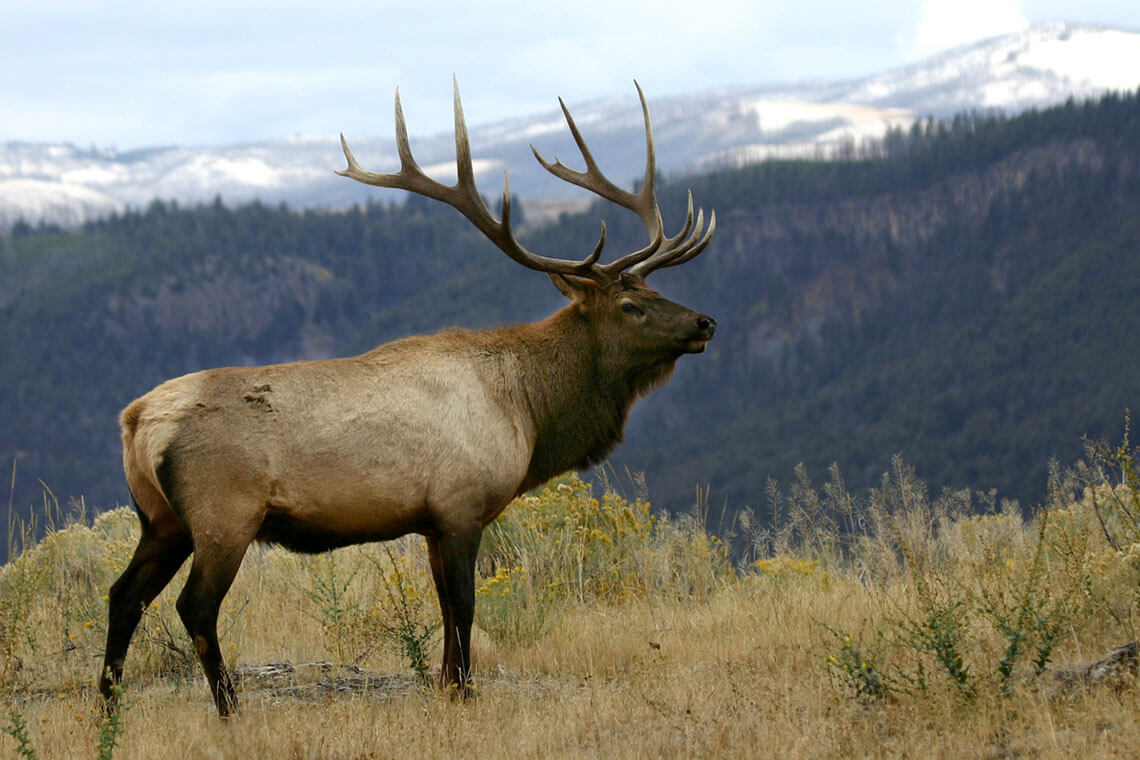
[{"x": 138, "y": 73}]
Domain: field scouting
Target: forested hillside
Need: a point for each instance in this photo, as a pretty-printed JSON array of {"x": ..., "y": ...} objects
[
  {"x": 971, "y": 300},
  {"x": 967, "y": 297}
]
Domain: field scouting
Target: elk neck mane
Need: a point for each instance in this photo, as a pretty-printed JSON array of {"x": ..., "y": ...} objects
[{"x": 579, "y": 390}]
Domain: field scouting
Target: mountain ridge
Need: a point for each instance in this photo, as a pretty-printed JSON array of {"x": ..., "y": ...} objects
[{"x": 1041, "y": 66}]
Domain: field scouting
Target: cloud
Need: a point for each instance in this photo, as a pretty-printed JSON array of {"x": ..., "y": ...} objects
[{"x": 948, "y": 23}]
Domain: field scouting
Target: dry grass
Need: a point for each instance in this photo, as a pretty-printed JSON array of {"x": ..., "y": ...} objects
[{"x": 653, "y": 646}]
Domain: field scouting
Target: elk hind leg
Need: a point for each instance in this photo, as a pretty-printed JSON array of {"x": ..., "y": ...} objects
[{"x": 161, "y": 550}]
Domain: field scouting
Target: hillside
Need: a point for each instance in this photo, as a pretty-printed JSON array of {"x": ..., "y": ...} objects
[
  {"x": 965, "y": 298},
  {"x": 969, "y": 301}
]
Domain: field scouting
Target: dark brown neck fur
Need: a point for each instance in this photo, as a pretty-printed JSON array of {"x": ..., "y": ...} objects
[{"x": 579, "y": 390}]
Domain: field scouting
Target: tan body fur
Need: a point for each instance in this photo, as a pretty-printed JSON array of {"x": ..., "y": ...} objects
[
  {"x": 397, "y": 440},
  {"x": 343, "y": 446}
]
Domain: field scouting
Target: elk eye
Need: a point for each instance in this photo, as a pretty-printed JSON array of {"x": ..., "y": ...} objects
[{"x": 629, "y": 307}]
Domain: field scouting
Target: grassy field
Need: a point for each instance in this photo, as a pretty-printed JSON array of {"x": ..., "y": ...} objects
[{"x": 887, "y": 624}]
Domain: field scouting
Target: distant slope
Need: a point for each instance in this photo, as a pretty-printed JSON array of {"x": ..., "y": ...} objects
[
  {"x": 701, "y": 131},
  {"x": 1036, "y": 68}
]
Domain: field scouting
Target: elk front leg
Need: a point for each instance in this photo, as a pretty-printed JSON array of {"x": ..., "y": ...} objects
[
  {"x": 211, "y": 574},
  {"x": 452, "y": 557}
]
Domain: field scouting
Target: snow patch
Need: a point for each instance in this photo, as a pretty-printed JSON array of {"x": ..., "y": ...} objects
[
  {"x": 207, "y": 170},
  {"x": 61, "y": 203},
  {"x": 778, "y": 116},
  {"x": 96, "y": 174},
  {"x": 1107, "y": 58},
  {"x": 444, "y": 171}
]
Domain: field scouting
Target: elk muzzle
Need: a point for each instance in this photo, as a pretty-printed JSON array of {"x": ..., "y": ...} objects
[{"x": 705, "y": 329}]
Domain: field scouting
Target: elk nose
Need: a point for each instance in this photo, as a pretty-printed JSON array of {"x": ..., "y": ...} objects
[{"x": 707, "y": 326}]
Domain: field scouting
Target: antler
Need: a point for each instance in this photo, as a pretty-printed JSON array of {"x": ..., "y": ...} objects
[
  {"x": 661, "y": 251},
  {"x": 463, "y": 196}
]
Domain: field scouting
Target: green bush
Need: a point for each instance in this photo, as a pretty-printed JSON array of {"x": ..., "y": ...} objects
[{"x": 563, "y": 545}]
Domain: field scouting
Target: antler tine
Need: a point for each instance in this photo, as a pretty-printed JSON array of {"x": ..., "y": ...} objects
[
  {"x": 700, "y": 246},
  {"x": 463, "y": 195},
  {"x": 664, "y": 249},
  {"x": 465, "y": 171},
  {"x": 687, "y": 251},
  {"x": 403, "y": 145},
  {"x": 410, "y": 177},
  {"x": 593, "y": 179},
  {"x": 661, "y": 251},
  {"x": 643, "y": 203},
  {"x": 649, "y": 182}
]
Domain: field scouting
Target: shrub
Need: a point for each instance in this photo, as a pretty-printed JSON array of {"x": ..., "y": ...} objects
[{"x": 563, "y": 545}]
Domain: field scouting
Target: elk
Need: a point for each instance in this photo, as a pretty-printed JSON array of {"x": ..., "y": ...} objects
[{"x": 432, "y": 435}]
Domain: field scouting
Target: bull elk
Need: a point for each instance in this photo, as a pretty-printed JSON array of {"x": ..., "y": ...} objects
[{"x": 432, "y": 434}]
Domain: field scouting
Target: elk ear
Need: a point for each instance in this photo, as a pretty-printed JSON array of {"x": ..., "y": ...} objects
[{"x": 573, "y": 287}]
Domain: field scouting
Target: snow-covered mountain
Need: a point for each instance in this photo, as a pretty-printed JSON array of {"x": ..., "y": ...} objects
[{"x": 1042, "y": 66}]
